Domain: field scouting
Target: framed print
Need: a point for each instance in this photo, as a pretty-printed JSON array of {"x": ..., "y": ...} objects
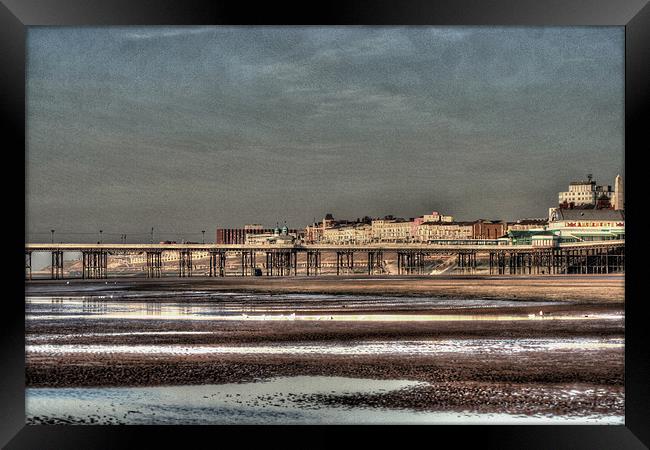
[{"x": 410, "y": 214}]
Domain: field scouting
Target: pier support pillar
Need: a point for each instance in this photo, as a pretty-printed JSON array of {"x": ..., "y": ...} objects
[
  {"x": 280, "y": 263},
  {"x": 57, "y": 265},
  {"x": 287, "y": 262},
  {"x": 94, "y": 264},
  {"x": 467, "y": 261},
  {"x": 269, "y": 264},
  {"x": 154, "y": 264},
  {"x": 217, "y": 264},
  {"x": 28, "y": 265},
  {"x": 345, "y": 262},
  {"x": 185, "y": 263},
  {"x": 247, "y": 263},
  {"x": 375, "y": 259},
  {"x": 313, "y": 262}
]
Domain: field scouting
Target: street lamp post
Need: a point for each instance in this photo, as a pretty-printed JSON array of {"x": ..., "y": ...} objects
[
  {"x": 100, "y": 236},
  {"x": 203, "y": 241},
  {"x": 52, "y": 235}
]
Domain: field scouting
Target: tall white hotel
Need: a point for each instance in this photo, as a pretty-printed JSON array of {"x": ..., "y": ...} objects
[{"x": 588, "y": 192}]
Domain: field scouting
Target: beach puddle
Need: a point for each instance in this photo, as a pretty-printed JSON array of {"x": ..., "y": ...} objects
[{"x": 273, "y": 401}]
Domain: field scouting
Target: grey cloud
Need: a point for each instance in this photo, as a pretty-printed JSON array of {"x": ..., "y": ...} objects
[{"x": 204, "y": 126}]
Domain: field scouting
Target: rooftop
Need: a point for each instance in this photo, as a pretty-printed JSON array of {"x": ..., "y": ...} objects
[
  {"x": 522, "y": 234},
  {"x": 447, "y": 224},
  {"x": 590, "y": 214},
  {"x": 581, "y": 183},
  {"x": 531, "y": 221}
]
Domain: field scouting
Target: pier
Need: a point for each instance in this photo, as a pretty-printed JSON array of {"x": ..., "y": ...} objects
[{"x": 595, "y": 257}]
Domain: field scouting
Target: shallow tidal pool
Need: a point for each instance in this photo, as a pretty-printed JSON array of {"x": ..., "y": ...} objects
[{"x": 272, "y": 401}]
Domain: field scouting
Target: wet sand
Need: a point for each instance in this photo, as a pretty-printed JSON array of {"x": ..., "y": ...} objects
[
  {"x": 587, "y": 379},
  {"x": 584, "y": 288}
]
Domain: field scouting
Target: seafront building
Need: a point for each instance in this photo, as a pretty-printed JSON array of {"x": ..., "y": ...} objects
[
  {"x": 432, "y": 231},
  {"x": 573, "y": 225},
  {"x": 587, "y": 224},
  {"x": 488, "y": 229},
  {"x": 392, "y": 230},
  {"x": 587, "y": 192},
  {"x": 316, "y": 232},
  {"x": 389, "y": 229},
  {"x": 359, "y": 233}
]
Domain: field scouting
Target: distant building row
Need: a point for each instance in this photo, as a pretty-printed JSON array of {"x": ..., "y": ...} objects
[
  {"x": 586, "y": 211},
  {"x": 427, "y": 228}
]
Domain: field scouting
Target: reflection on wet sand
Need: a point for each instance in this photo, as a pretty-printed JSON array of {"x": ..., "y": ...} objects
[
  {"x": 236, "y": 357},
  {"x": 275, "y": 401},
  {"x": 290, "y": 308},
  {"x": 482, "y": 346}
]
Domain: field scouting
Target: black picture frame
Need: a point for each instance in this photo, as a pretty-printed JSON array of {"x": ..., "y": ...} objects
[{"x": 634, "y": 15}]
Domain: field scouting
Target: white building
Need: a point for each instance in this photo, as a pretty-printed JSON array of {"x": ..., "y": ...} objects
[
  {"x": 584, "y": 193},
  {"x": 430, "y": 231},
  {"x": 587, "y": 224},
  {"x": 360, "y": 233},
  {"x": 392, "y": 230}
]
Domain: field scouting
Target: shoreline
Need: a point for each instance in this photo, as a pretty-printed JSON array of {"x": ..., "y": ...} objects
[{"x": 557, "y": 288}]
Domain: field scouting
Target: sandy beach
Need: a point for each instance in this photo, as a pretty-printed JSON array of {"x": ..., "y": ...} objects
[
  {"x": 584, "y": 288},
  {"x": 550, "y": 346}
]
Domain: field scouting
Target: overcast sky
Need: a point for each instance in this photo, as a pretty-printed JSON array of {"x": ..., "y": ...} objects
[{"x": 189, "y": 128}]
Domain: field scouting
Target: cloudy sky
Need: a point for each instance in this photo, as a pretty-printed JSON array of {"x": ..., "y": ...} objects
[{"x": 189, "y": 128}]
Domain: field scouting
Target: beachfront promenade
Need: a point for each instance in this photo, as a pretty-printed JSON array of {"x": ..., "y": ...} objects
[{"x": 411, "y": 258}]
